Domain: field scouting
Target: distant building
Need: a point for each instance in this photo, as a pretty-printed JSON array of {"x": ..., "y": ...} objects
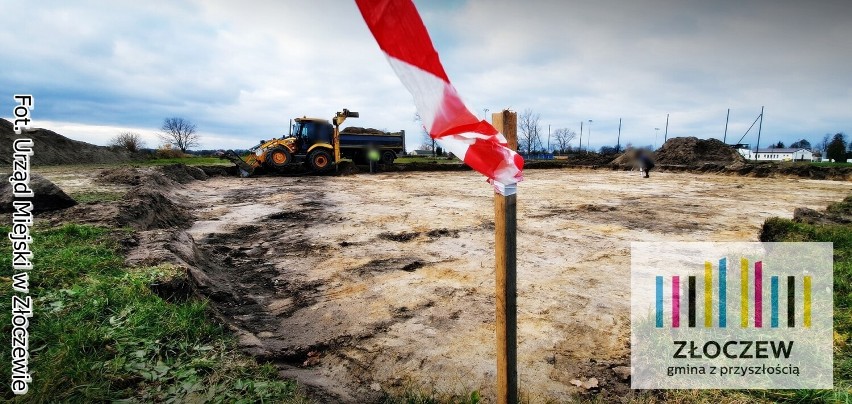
[
  {"x": 776, "y": 154},
  {"x": 422, "y": 153},
  {"x": 744, "y": 150}
]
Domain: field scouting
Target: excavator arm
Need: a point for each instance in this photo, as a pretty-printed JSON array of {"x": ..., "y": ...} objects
[
  {"x": 338, "y": 120},
  {"x": 245, "y": 168}
]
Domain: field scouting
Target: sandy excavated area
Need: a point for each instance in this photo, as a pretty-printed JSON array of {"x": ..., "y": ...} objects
[{"x": 374, "y": 282}]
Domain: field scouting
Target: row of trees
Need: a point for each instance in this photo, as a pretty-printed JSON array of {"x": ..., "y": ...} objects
[{"x": 179, "y": 133}]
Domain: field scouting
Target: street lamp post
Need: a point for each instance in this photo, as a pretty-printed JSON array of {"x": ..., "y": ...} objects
[{"x": 485, "y": 113}]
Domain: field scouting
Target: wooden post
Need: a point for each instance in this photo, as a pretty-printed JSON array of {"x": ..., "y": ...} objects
[
  {"x": 507, "y": 123},
  {"x": 505, "y": 220}
]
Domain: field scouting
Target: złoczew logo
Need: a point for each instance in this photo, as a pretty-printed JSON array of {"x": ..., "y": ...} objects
[{"x": 731, "y": 315}]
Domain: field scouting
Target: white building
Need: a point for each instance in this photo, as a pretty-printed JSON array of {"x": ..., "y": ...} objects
[{"x": 778, "y": 154}]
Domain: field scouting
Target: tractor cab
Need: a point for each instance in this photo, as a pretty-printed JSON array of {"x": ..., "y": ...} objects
[{"x": 311, "y": 131}]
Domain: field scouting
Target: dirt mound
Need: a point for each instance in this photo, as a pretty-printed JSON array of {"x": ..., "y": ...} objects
[
  {"x": 629, "y": 157},
  {"x": 121, "y": 176},
  {"x": 220, "y": 171},
  {"x": 47, "y": 197},
  {"x": 590, "y": 159},
  {"x": 144, "y": 209},
  {"x": 52, "y": 148},
  {"x": 836, "y": 213},
  {"x": 364, "y": 131},
  {"x": 692, "y": 151},
  {"x": 162, "y": 176},
  {"x": 183, "y": 174}
]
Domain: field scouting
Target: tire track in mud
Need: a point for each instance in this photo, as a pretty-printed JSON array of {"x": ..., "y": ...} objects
[{"x": 264, "y": 282}]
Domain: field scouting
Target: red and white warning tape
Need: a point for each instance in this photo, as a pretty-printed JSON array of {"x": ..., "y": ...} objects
[{"x": 400, "y": 32}]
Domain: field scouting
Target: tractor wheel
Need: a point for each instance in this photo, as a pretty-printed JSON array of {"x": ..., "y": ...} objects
[
  {"x": 320, "y": 160},
  {"x": 278, "y": 157},
  {"x": 388, "y": 157}
]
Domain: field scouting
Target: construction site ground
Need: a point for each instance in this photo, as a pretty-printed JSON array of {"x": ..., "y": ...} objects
[{"x": 366, "y": 284}]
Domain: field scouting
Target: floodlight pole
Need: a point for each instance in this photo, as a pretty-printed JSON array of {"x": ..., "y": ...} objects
[
  {"x": 505, "y": 271},
  {"x": 666, "y": 135},
  {"x": 618, "y": 142},
  {"x": 727, "y": 118},
  {"x": 759, "y": 127},
  {"x": 589, "y": 138}
]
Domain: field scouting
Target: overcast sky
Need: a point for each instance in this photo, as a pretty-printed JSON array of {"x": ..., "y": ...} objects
[{"x": 241, "y": 70}]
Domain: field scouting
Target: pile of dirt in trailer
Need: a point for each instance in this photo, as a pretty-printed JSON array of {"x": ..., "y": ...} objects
[
  {"x": 46, "y": 195},
  {"x": 363, "y": 131},
  {"x": 692, "y": 151},
  {"x": 51, "y": 148}
]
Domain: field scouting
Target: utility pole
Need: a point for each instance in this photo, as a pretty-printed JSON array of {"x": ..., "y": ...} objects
[
  {"x": 759, "y": 127},
  {"x": 618, "y": 142},
  {"x": 548, "y": 138},
  {"x": 589, "y": 137},
  {"x": 666, "y": 135},
  {"x": 581, "y": 137},
  {"x": 725, "y": 138}
]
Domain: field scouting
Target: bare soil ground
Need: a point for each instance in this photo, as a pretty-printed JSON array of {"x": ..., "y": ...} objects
[{"x": 368, "y": 283}]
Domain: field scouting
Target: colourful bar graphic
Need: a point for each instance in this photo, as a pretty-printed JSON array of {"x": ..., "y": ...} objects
[
  {"x": 791, "y": 301},
  {"x": 708, "y": 294},
  {"x": 691, "y": 291},
  {"x": 659, "y": 302},
  {"x": 758, "y": 294},
  {"x": 675, "y": 301},
  {"x": 773, "y": 284},
  {"x": 723, "y": 292},
  {"x": 807, "y": 298},
  {"x": 744, "y": 292}
]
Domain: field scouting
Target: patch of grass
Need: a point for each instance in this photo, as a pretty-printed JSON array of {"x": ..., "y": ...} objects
[
  {"x": 830, "y": 164},
  {"x": 100, "y": 334},
  {"x": 414, "y": 395},
  {"x": 96, "y": 196},
  {"x": 776, "y": 229},
  {"x": 429, "y": 160}
]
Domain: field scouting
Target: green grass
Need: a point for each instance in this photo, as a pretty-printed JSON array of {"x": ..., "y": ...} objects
[
  {"x": 100, "y": 334},
  {"x": 777, "y": 229},
  {"x": 830, "y": 164},
  {"x": 418, "y": 159}
]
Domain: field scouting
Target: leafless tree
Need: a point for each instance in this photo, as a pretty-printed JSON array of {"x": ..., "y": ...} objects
[
  {"x": 823, "y": 146},
  {"x": 563, "y": 137},
  {"x": 428, "y": 141},
  {"x": 130, "y": 141},
  {"x": 180, "y": 133},
  {"x": 529, "y": 129}
]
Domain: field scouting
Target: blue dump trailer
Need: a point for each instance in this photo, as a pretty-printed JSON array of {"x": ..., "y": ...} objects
[{"x": 354, "y": 143}]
